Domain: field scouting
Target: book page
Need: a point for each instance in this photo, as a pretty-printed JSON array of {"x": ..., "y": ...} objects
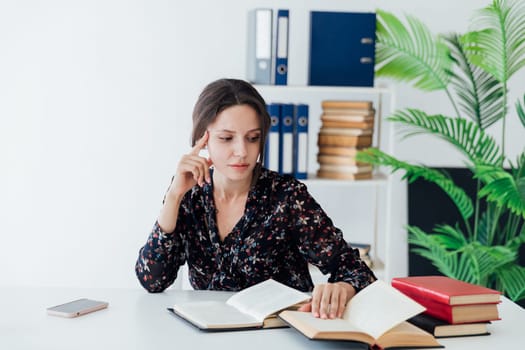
[
  {"x": 379, "y": 307},
  {"x": 214, "y": 314},
  {"x": 266, "y": 298}
]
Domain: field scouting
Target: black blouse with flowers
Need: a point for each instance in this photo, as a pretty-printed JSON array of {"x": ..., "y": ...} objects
[{"x": 283, "y": 228}]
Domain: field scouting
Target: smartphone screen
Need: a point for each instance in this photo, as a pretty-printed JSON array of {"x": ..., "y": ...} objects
[{"x": 77, "y": 307}]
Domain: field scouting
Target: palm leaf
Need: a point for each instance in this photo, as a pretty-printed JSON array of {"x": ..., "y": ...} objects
[
  {"x": 512, "y": 279},
  {"x": 449, "y": 237},
  {"x": 502, "y": 188},
  {"x": 410, "y": 54},
  {"x": 412, "y": 172},
  {"x": 496, "y": 42},
  {"x": 521, "y": 110},
  {"x": 480, "y": 94},
  {"x": 465, "y": 135}
]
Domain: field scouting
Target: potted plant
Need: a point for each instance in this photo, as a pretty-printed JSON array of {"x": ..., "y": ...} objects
[{"x": 473, "y": 70}]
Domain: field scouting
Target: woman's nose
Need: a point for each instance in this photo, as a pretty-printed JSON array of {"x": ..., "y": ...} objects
[{"x": 240, "y": 148}]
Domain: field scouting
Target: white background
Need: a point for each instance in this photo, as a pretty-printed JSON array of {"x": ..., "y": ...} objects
[{"x": 95, "y": 111}]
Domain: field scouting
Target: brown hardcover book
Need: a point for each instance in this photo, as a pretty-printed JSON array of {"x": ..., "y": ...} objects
[
  {"x": 348, "y": 117},
  {"x": 346, "y": 169},
  {"x": 345, "y": 131},
  {"x": 350, "y": 125},
  {"x": 344, "y": 140},
  {"x": 338, "y": 160},
  {"x": 349, "y": 112},
  {"x": 343, "y": 176},
  {"x": 347, "y": 104},
  {"x": 338, "y": 151},
  {"x": 442, "y": 329},
  {"x": 376, "y": 316}
]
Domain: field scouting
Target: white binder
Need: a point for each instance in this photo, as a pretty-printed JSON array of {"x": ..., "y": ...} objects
[{"x": 259, "y": 60}]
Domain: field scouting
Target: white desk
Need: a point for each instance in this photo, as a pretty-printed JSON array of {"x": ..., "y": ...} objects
[{"x": 138, "y": 320}]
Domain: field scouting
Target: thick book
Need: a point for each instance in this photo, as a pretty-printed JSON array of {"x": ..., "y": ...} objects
[
  {"x": 346, "y": 104},
  {"x": 334, "y": 175},
  {"x": 446, "y": 290},
  {"x": 376, "y": 315},
  {"x": 344, "y": 140},
  {"x": 443, "y": 329},
  {"x": 451, "y": 300},
  {"x": 252, "y": 308}
]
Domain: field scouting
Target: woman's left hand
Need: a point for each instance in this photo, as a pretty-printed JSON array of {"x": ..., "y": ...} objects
[{"x": 329, "y": 300}]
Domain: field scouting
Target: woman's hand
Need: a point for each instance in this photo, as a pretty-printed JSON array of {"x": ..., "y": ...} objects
[
  {"x": 191, "y": 170},
  {"x": 329, "y": 300}
]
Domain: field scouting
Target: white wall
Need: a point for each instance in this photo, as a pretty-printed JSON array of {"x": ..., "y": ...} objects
[{"x": 95, "y": 110}]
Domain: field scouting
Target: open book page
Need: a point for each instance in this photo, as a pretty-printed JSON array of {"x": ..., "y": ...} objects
[
  {"x": 379, "y": 307},
  {"x": 266, "y": 298},
  {"x": 214, "y": 314}
]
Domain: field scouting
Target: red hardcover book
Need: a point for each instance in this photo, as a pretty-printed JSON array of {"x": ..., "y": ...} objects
[{"x": 451, "y": 300}]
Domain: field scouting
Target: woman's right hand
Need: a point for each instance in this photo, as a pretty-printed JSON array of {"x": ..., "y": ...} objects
[{"x": 191, "y": 170}]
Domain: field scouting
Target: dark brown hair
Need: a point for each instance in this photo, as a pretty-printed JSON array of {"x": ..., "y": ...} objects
[{"x": 224, "y": 93}]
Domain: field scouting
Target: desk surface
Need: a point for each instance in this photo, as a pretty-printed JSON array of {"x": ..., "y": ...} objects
[{"x": 138, "y": 320}]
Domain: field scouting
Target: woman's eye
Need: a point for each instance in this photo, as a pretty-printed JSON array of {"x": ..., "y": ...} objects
[
  {"x": 225, "y": 138},
  {"x": 254, "y": 138}
]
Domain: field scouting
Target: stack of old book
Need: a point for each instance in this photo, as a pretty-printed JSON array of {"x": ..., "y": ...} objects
[
  {"x": 347, "y": 126},
  {"x": 453, "y": 308}
]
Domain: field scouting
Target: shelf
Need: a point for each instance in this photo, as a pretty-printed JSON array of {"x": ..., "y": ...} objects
[
  {"x": 377, "y": 179},
  {"x": 330, "y": 89}
]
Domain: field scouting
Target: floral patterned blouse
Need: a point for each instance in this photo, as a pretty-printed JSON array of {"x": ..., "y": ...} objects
[{"x": 283, "y": 228}]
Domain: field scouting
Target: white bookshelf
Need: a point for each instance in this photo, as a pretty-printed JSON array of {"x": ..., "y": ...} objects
[{"x": 362, "y": 209}]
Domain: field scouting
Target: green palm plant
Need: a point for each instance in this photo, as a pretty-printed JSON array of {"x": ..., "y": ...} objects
[{"x": 473, "y": 70}]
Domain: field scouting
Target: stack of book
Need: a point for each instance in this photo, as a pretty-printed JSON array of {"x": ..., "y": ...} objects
[
  {"x": 347, "y": 126},
  {"x": 453, "y": 308}
]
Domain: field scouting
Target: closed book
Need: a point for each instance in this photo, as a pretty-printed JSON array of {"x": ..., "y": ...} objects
[
  {"x": 338, "y": 160},
  {"x": 349, "y": 111},
  {"x": 335, "y": 175},
  {"x": 459, "y": 313},
  {"x": 345, "y": 131},
  {"x": 446, "y": 290},
  {"x": 338, "y": 151},
  {"x": 353, "y": 115},
  {"x": 353, "y": 169},
  {"x": 346, "y": 104},
  {"x": 443, "y": 329},
  {"x": 344, "y": 140},
  {"x": 348, "y": 124}
]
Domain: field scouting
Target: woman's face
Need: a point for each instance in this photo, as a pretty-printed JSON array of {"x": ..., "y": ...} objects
[{"x": 233, "y": 143}]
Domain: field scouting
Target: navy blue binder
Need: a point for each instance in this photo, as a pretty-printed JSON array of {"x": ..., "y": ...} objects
[
  {"x": 342, "y": 48},
  {"x": 272, "y": 153}
]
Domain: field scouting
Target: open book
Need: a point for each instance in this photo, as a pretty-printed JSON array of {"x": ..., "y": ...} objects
[
  {"x": 376, "y": 315},
  {"x": 253, "y": 307}
]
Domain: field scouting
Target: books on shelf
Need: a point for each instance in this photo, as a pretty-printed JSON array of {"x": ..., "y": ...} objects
[
  {"x": 250, "y": 308},
  {"x": 376, "y": 315},
  {"x": 442, "y": 329},
  {"x": 347, "y": 126},
  {"x": 451, "y": 300}
]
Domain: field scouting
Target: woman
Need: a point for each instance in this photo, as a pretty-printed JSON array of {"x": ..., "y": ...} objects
[{"x": 237, "y": 224}]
